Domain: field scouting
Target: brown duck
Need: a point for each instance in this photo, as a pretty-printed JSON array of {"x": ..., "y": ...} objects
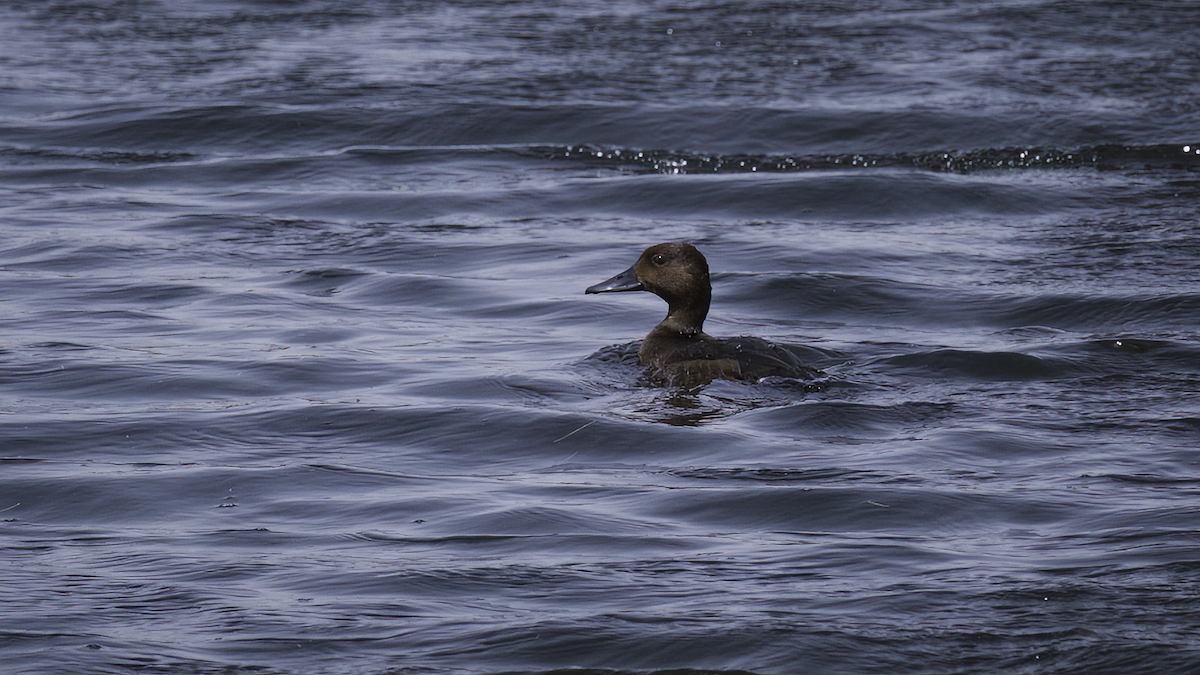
[{"x": 678, "y": 351}]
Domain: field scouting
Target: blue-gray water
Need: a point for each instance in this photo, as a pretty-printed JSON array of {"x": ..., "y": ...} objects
[{"x": 297, "y": 375}]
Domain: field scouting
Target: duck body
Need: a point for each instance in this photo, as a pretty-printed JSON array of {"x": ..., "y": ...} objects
[{"x": 677, "y": 350}]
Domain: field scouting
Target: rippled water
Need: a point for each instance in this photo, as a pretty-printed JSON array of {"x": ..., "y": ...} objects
[{"x": 297, "y": 374}]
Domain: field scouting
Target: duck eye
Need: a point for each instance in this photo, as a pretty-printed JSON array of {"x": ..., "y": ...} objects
[{"x": 659, "y": 259}]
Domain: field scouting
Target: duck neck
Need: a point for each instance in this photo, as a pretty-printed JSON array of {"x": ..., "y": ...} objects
[{"x": 687, "y": 317}]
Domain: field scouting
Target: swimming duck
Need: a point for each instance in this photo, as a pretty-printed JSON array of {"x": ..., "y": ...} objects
[{"x": 678, "y": 351}]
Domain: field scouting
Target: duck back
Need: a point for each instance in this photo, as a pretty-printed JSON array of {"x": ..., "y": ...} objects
[{"x": 697, "y": 359}]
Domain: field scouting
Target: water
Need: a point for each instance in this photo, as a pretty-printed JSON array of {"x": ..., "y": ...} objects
[{"x": 297, "y": 374}]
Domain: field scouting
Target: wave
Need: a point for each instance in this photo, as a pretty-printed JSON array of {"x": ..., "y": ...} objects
[
  {"x": 1113, "y": 157},
  {"x": 870, "y": 299},
  {"x": 1107, "y": 357},
  {"x": 689, "y": 139},
  {"x": 16, "y": 154}
]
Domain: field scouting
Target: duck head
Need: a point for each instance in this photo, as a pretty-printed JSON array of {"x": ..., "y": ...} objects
[{"x": 675, "y": 272}]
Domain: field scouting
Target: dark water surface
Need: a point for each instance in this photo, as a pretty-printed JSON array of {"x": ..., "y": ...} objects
[{"x": 297, "y": 375}]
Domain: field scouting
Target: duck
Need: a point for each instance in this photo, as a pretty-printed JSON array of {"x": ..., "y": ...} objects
[{"x": 678, "y": 351}]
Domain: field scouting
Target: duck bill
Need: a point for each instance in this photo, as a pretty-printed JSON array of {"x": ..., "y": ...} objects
[{"x": 625, "y": 281}]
